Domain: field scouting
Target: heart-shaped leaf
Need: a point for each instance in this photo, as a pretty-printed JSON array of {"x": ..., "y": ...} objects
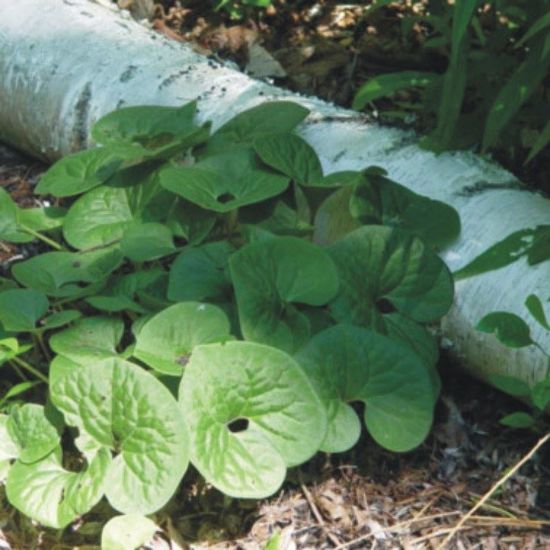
[
  {"x": 269, "y": 277},
  {"x": 21, "y": 309},
  {"x": 167, "y": 340},
  {"x": 147, "y": 241},
  {"x": 224, "y": 182},
  {"x": 252, "y": 413},
  {"x": 291, "y": 155},
  {"x": 8, "y": 447},
  {"x": 101, "y": 216},
  {"x": 189, "y": 221},
  {"x": 121, "y": 407},
  {"x": 127, "y": 532},
  {"x": 379, "y": 200},
  {"x": 89, "y": 340},
  {"x": 53, "y": 496},
  {"x": 32, "y": 432},
  {"x": 509, "y": 329},
  {"x": 142, "y": 124},
  {"x": 42, "y": 218},
  {"x": 79, "y": 172},
  {"x": 383, "y": 271},
  {"x": 269, "y": 118},
  {"x": 201, "y": 273},
  {"x": 61, "y": 274},
  {"x": 347, "y": 364}
]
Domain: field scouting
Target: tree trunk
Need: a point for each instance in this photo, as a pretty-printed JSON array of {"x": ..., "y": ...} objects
[{"x": 64, "y": 63}]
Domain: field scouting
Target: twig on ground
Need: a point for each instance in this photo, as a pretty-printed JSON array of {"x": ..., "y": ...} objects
[{"x": 488, "y": 494}]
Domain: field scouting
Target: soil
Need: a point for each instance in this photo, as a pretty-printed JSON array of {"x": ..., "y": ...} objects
[{"x": 367, "y": 498}]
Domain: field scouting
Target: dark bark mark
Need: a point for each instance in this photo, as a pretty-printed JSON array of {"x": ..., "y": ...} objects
[
  {"x": 82, "y": 111},
  {"x": 480, "y": 187},
  {"x": 128, "y": 74}
]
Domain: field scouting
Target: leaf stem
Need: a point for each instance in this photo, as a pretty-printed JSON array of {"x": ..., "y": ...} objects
[
  {"x": 41, "y": 237},
  {"x": 23, "y": 364}
]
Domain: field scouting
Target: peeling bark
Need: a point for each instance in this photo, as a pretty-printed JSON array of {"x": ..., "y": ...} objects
[{"x": 81, "y": 61}]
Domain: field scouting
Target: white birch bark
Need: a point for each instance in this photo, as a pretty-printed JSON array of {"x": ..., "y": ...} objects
[{"x": 64, "y": 63}]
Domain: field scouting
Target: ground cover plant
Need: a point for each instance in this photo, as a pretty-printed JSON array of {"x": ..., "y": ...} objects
[{"x": 186, "y": 314}]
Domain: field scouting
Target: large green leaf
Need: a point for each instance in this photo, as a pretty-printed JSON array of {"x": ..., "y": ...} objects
[
  {"x": 167, "y": 340},
  {"x": 89, "y": 340},
  {"x": 189, "y": 221},
  {"x": 121, "y": 407},
  {"x": 379, "y": 200},
  {"x": 101, "y": 216},
  {"x": 266, "y": 119},
  {"x": 21, "y": 309},
  {"x": 146, "y": 242},
  {"x": 252, "y": 412},
  {"x": 8, "y": 447},
  {"x": 62, "y": 274},
  {"x": 291, "y": 155},
  {"x": 77, "y": 173},
  {"x": 388, "y": 280},
  {"x": 201, "y": 273},
  {"x": 41, "y": 218},
  {"x": 269, "y": 278},
  {"x": 148, "y": 131},
  {"x": 387, "y": 84},
  {"x": 224, "y": 182},
  {"x": 32, "y": 433},
  {"x": 347, "y": 364},
  {"x": 53, "y": 496}
]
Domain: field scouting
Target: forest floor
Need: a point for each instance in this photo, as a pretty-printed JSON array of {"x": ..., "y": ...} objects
[{"x": 367, "y": 498}]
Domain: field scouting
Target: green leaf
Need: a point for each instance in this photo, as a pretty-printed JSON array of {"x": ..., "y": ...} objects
[
  {"x": 269, "y": 278},
  {"x": 79, "y": 172},
  {"x": 333, "y": 219},
  {"x": 346, "y": 364},
  {"x": 20, "y": 309},
  {"x": 291, "y": 155},
  {"x": 120, "y": 407},
  {"x": 541, "y": 394},
  {"x": 18, "y": 389},
  {"x": 540, "y": 249},
  {"x": 534, "y": 305},
  {"x": 127, "y": 532},
  {"x": 224, "y": 182},
  {"x": 132, "y": 290},
  {"x": 201, "y": 273},
  {"x": 62, "y": 274},
  {"x": 150, "y": 127},
  {"x": 516, "y": 92},
  {"x": 509, "y": 329},
  {"x": 274, "y": 117},
  {"x": 89, "y": 340},
  {"x": 379, "y": 200},
  {"x": 8, "y": 447},
  {"x": 518, "y": 420},
  {"x": 510, "y": 385},
  {"x": 226, "y": 387},
  {"x": 542, "y": 141},
  {"x": 42, "y": 218},
  {"x": 189, "y": 221},
  {"x": 33, "y": 434},
  {"x": 167, "y": 340},
  {"x": 101, "y": 216},
  {"x": 539, "y": 25},
  {"x": 387, "y": 84},
  {"x": 53, "y": 496},
  {"x": 501, "y": 254},
  {"x": 387, "y": 271},
  {"x": 9, "y": 221},
  {"x": 147, "y": 241}
]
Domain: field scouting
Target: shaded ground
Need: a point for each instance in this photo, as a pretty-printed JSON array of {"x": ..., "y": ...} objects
[{"x": 367, "y": 498}]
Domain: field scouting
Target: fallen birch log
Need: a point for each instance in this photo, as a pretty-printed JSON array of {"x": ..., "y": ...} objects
[{"x": 82, "y": 60}]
